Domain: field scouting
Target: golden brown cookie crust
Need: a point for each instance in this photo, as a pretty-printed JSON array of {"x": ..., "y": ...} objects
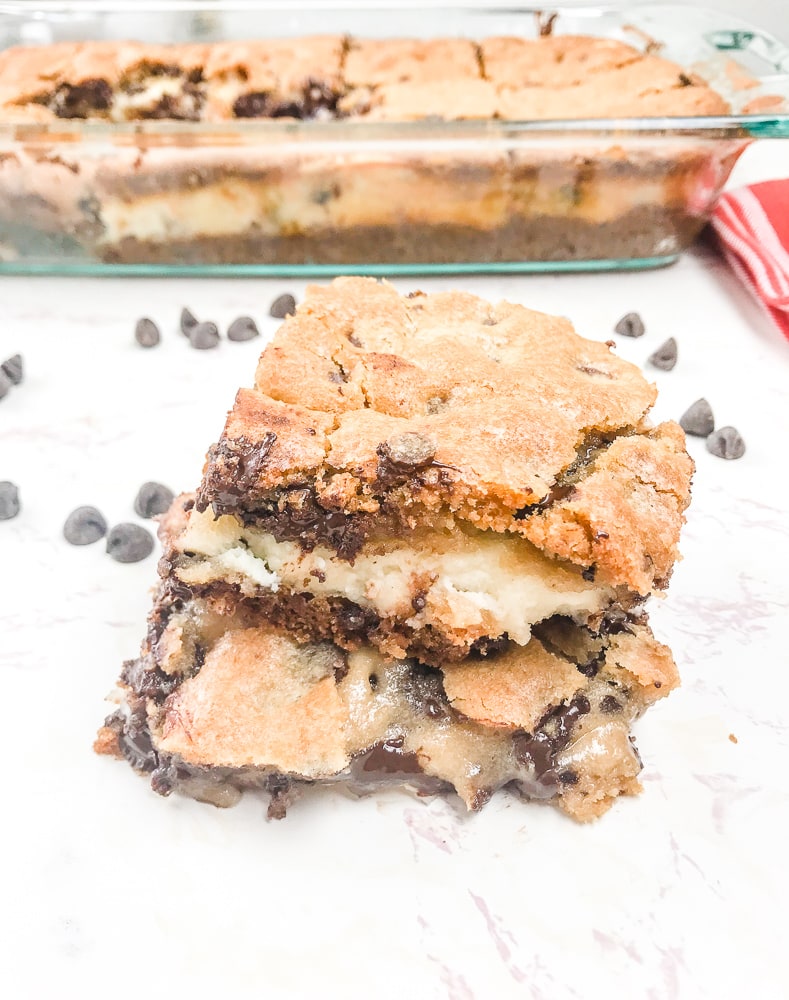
[
  {"x": 331, "y": 76},
  {"x": 514, "y": 423}
]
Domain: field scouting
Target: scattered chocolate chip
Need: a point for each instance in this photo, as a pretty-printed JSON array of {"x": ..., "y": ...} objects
[
  {"x": 630, "y": 325},
  {"x": 589, "y": 574},
  {"x": 153, "y": 499},
  {"x": 698, "y": 419},
  {"x": 568, "y": 777},
  {"x": 129, "y": 543},
  {"x": 204, "y": 336},
  {"x": 243, "y": 328},
  {"x": 188, "y": 321},
  {"x": 9, "y": 500},
  {"x": 5, "y": 384},
  {"x": 84, "y": 526},
  {"x": 282, "y": 306},
  {"x": 408, "y": 450},
  {"x": 726, "y": 443},
  {"x": 665, "y": 357},
  {"x": 146, "y": 332},
  {"x": 373, "y": 681},
  {"x": 13, "y": 369}
]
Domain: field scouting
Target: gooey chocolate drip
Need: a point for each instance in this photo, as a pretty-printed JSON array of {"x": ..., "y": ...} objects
[{"x": 539, "y": 749}]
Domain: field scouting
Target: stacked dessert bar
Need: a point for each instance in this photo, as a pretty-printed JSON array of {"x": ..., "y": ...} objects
[{"x": 418, "y": 555}]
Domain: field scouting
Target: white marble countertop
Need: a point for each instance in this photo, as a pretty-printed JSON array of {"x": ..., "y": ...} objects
[{"x": 109, "y": 890}]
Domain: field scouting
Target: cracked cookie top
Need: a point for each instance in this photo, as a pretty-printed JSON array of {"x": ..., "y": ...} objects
[
  {"x": 326, "y": 77},
  {"x": 374, "y": 412}
]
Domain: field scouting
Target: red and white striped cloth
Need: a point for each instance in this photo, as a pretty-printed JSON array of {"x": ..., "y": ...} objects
[{"x": 752, "y": 224}]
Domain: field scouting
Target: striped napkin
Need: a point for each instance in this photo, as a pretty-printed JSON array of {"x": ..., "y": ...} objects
[{"x": 752, "y": 224}]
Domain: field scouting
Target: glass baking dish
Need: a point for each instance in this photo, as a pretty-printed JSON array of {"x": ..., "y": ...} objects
[{"x": 285, "y": 196}]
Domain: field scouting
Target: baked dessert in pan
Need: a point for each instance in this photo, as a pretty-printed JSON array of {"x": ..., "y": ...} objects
[{"x": 365, "y": 154}]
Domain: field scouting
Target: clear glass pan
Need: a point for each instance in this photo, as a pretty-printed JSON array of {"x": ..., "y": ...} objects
[{"x": 285, "y": 196}]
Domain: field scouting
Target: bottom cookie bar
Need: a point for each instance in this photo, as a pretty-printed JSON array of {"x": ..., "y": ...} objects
[{"x": 220, "y": 702}]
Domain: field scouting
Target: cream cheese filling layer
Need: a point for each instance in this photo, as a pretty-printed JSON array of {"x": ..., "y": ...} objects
[
  {"x": 470, "y": 583},
  {"x": 363, "y": 195}
]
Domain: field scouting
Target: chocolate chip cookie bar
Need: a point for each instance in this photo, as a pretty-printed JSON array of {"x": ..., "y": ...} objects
[
  {"x": 221, "y": 701},
  {"x": 432, "y": 472},
  {"x": 419, "y": 554},
  {"x": 360, "y": 153}
]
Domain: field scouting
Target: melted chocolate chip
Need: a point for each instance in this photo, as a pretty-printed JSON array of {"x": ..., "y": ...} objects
[
  {"x": 610, "y": 705},
  {"x": 567, "y": 777},
  {"x": 425, "y": 691},
  {"x": 552, "y": 734},
  {"x": 280, "y": 789},
  {"x": 486, "y": 646},
  {"x": 388, "y": 757},
  {"x": 149, "y": 681},
  {"x": 253, "y": 105},
  {"x": 83, "y": 100},
  {"x": 135, "y": 742}
]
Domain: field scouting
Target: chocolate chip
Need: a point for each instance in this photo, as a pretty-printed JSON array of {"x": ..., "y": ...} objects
[
  {"x": 204, "y": 336},
  {"x": 726, "y": 443},
  {"x": 568, "y": 777},
  {"x": 81, "y": 101},
  {"x": 282, "y": 306},
  {"x": 84, "y": 526},
  {"x": 589, "y": 574},
  {"x": 408, "y": 450},
  {"x": 610, "y": 706},
  {"x": 5, "y": 384},
  {"x": 129, "y": 543},
  {"x": 698, "y": 419},
  {"x": 255, "y": 105},
  {"x": 188, "y": 321},
  {"x": 13, "y": 369},
  {"x": 665, "y": 357},
  {"x": 630, "y": 325},
  {"x": 9, "y": 500},
  {"x": 146, "y": 332},
  {"x": 243, "y": 328},
  {"x": 153, "y": 499}
]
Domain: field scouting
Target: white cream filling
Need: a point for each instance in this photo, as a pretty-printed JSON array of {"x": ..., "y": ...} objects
[
  {"x": 287, "y": 206},
  {"x": 153, "y": 90},
  {"x": 472, "y": 582}
]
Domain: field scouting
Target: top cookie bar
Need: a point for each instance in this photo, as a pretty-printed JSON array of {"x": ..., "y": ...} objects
[
  {"x": 374, "y": 414},
  {"x": 332, "y": 76}
]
